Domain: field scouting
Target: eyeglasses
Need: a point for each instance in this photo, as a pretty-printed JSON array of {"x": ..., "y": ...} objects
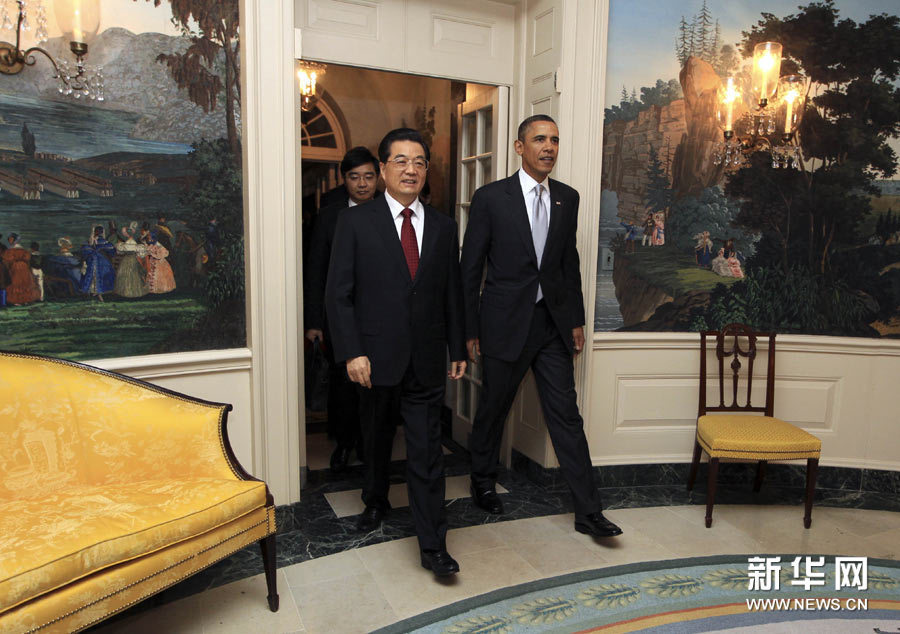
[{"x": 402, "y": 162}]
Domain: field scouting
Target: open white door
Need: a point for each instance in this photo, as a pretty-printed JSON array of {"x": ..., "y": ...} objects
[{"x": 483, "y": 128}]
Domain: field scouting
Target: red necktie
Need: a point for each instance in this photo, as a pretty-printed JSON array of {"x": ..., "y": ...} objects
[{"x": 409, "y": 244}]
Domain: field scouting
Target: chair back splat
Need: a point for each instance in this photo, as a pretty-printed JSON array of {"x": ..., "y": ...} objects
[{"x": 733, "y": 342}]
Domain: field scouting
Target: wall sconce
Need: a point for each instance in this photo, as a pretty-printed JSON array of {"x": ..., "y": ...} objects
[
  {"x": 760, "y": 112},
  {"x": 308, "y": 73},
  {"x": 79, "y": 21}
]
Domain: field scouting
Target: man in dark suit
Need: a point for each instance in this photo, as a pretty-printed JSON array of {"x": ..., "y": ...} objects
[
  {"x": 530, "y": 315},
  {"x": 359, "y": 169},
  {"x": 395, "y": 308}
]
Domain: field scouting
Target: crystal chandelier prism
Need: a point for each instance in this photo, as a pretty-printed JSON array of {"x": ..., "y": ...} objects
[{"x": 79, "y": 21}]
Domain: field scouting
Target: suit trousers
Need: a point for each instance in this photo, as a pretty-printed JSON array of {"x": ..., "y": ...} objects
[
  {"x": 343, "y": 405},
  {"x": 420, "y": 410},
  {"x": 547, "y": 355}
]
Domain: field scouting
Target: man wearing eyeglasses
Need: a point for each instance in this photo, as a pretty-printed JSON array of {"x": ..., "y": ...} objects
[
  {"x": 529, "y": 315},
  {"x": 359, "y": 169},
  {"x": 394, "y": 304}
]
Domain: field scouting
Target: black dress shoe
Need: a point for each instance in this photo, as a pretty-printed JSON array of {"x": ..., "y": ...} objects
[
  {"x": 339, "y": 459},
  {"x": 439, "y": 562},
  {"x": 487, "y": 500},
  {"x": 597, "y": 525},
  {"x": 370, "y": 519}
]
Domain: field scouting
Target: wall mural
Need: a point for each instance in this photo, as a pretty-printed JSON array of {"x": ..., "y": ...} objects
[
  {"x": 122, "y": 220},
  {"x": 688, "y": 244}
]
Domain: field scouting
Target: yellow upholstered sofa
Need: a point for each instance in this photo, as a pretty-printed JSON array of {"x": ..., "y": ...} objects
[{"x": 112, "y": 489}]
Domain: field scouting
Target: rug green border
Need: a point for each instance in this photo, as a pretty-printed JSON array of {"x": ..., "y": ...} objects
[{"x": 502, "y": 594}]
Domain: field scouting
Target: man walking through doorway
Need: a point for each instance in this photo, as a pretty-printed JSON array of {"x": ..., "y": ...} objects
[
  {"x": 530, "y": 315},
  {"x": 359, "y": 169},
  {"x": 394, "y": 303}
]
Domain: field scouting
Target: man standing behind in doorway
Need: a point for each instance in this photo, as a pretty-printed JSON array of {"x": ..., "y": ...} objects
[
  {"x": 395, "y": 308},
  {"x": 530, "y": 315},
  {"x": 359, "y": 169}
]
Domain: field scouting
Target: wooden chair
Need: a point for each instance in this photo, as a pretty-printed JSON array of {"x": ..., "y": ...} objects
[{"x": 734, "y": 435}]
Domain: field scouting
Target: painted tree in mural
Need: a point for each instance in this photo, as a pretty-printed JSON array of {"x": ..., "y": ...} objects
[
  {"x": 855, "y": 109},
  {"x": 814, "y": 270},
  {"x": 658, "y": 194},
  {"x": 212, "y": 26},
  {"x": 702, "y": 37}
]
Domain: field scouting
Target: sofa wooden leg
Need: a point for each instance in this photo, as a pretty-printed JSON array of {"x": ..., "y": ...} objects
[{"x": 267, "y": 546}]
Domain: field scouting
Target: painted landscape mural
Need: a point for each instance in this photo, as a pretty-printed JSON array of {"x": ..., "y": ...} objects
[
  {"x": 686, "y": 244},
  {"x": 122, "y": 220}
]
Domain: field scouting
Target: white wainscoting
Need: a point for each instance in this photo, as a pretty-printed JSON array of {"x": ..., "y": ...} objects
[
  {"x": 213, "y": 375},
  {"x": 642, "y": 403}
]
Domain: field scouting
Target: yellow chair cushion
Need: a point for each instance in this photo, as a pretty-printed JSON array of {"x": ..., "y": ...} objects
[
  {"x": 50, "y": 541},
  {"x": 755, "y": 438}
]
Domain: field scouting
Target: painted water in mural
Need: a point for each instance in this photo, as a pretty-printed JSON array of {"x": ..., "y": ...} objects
[
  {"x": 688, "y": 244},
  {"x": 122, "y": 221}
]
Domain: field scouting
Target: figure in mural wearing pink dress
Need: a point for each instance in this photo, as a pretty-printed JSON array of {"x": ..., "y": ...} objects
[
  {"x": 734, "y": 265},
  {"x": 160, "y": 278},
  {"x": 658, "y": 237}
]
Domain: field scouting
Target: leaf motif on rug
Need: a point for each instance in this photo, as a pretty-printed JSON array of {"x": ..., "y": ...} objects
[
  {"x": 613, "y": 595},
  {"x": 672, "y": 585},
  {"x": 881, "y": 581},
  {"x": 481, "y": 625},
  {"x": 728, "y": 579},
  {"x": 544, "y": 610}
]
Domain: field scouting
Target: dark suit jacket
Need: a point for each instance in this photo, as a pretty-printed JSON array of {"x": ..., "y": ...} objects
[
  {"x": 499, "y": 232},
  {"x": 315, "y": 271},
  {"x": 375, "y": 309}
]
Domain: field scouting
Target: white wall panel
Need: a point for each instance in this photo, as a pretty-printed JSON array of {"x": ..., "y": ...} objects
[
  {"x": 467, "y": 39},
  {"x": 355, "y": 32}
]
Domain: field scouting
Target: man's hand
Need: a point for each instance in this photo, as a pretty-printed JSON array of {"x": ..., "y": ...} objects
[
  {"x": 578, "y": 336},
  {"x": 474, "y": 348},
  {"x": 359, "y": 371},
  {"x": 457, "y": 369},
  {"x": 315, "y": 333}
]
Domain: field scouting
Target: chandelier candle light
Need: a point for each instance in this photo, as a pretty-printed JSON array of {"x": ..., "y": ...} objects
[
  {"x": 308, "y": 73},
  {"x": 760, "y": 112},
  {"x": 78, "y": 20}
]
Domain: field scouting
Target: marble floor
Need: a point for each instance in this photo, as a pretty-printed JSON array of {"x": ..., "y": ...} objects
[
  {"x": 332, "y": 579},
  {"x": 362, "y": 589}
]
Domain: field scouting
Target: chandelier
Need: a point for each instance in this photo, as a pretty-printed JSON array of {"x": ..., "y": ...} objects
[
  {"x": 78, "y": 20},
  {"x": 308, "y": 73},
  {"x": 760, "y": 111}
]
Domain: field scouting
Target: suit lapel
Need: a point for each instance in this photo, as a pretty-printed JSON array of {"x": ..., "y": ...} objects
[
  {"x": 557, "y": 208},
  {"x": 520, "y": 214},
  {"x": 387, "y": 230},
  {"x": 429, "y": 241}
]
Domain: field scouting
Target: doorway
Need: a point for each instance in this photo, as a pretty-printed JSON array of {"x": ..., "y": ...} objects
[{"x": 465, "y": 125}]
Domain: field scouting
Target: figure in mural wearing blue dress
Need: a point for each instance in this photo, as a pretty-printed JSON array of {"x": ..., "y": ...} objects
[
  {"x": 631, "y": 235},
  {"x": 703, "y": 250},
  {"x": 99, "y": 276}
]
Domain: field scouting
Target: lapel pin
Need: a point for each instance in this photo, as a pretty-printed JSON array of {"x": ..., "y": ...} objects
[{"x": 558, "y": 202}]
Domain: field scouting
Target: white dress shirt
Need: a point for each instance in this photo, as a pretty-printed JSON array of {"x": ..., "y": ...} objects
[
  {"x": 417, "y": 218},
  {"x": 528, "y": 185},
  {"x": 351, "y": 203}
]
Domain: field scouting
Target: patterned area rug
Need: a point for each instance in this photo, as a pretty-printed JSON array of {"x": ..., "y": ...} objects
[{"x": 706, "y": 594}]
